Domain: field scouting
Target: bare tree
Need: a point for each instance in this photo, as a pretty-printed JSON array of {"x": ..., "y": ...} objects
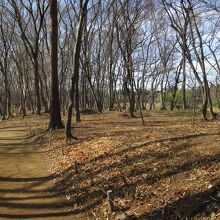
[
  {"x": 36, "y": 15},
  {"x": 76, "y": 64}
]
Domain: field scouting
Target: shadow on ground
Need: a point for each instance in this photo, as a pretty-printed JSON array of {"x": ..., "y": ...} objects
[{"x": 73, "y": 193}]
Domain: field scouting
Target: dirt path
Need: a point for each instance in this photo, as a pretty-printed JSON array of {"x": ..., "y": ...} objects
[{"x": 26, "y": 186}]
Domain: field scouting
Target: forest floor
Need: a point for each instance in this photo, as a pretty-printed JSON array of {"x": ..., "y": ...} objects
[{"x": 164, "y": 169}]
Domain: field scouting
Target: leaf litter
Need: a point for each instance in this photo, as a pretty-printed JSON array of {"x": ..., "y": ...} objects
[{"x": 165, "y": 169}]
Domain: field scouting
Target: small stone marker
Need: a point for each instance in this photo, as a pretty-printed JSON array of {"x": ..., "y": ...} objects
[
  {"x": 62, "y": 150},
  {"x": 121, "y": 217},
  {"x": 66, "y": 141},
  {"x": 75, "y": 167},
  {"x": 125, "y": 216},
  {"x": 110, "y": 200}
]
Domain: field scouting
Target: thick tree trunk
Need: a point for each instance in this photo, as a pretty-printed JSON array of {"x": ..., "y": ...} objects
[{"x": 55, "y": 117}]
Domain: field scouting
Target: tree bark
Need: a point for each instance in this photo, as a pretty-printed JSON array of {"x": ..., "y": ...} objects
[{"x": 55, "y": 117}]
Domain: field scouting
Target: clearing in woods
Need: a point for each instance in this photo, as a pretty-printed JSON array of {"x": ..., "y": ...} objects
[{"x": 164, "y": 169}]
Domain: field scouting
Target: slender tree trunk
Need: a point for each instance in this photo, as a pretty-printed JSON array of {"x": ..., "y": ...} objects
[
  {"x": 173, "y": 98},
  {"x": 77, "y": 100},
  {"x": 36, "y": 84},
  {"x": 162, "y": 95},
  {"x": 184, "y": 84},
  {"x": 76, "y": 65},
  {"x": 217, "y": 95}
]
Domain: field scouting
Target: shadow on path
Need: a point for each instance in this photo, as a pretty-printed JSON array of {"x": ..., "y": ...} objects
[{"x": 27, "y": 189}]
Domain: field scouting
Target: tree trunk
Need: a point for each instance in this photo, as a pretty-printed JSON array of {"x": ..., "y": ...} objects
[
  {"x": 55, "y": 117},
  {"x": 36, "y": 84},
  {"x": 77, "y": 100},
  {"x": 184, "y": 84},
  {"x": 76, "y": 64}
]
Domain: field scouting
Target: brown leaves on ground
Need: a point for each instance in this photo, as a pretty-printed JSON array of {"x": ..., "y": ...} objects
[{"x": 165, "y": 169}]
